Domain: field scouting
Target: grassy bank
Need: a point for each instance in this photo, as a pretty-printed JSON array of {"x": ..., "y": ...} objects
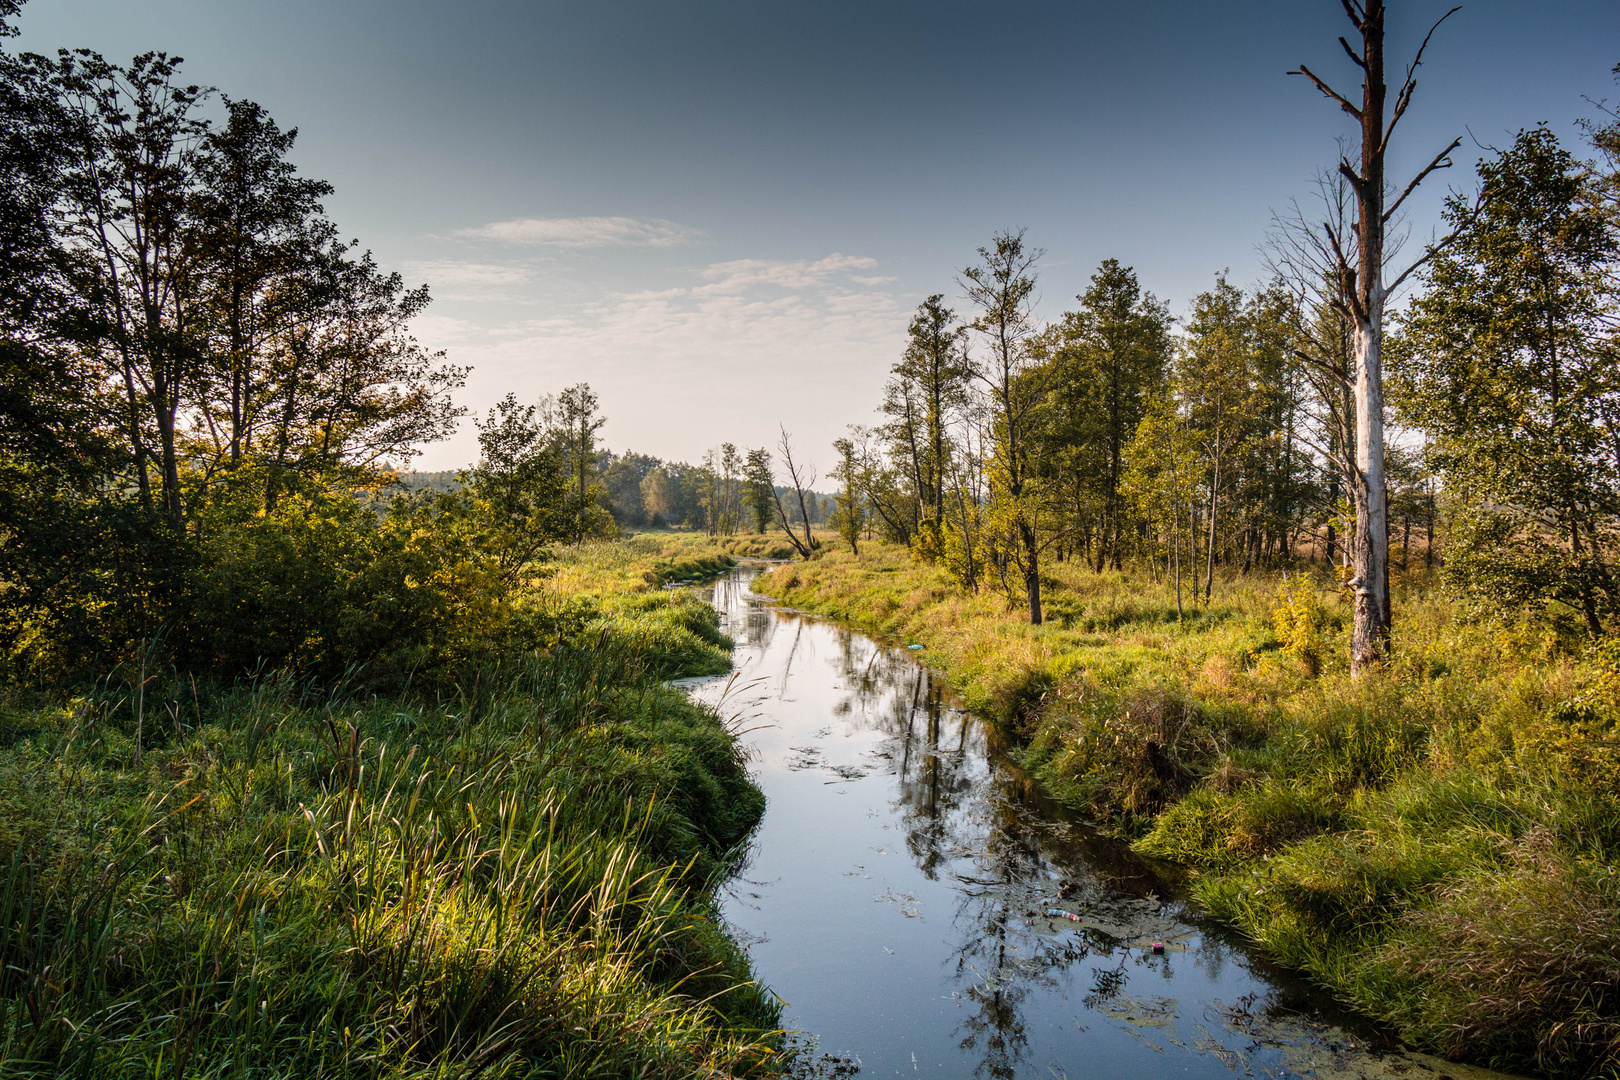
[
  {"x": 1436, "y": 843},
  {"x": 277, "y": 879},
  {"x": 613, "y": 568}
]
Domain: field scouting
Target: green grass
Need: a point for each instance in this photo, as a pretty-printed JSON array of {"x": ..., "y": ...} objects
[
  {"x": 638, "y": 561},
  {"x": 514, "y": 879},
  {"x": 1436, "y": 842}
]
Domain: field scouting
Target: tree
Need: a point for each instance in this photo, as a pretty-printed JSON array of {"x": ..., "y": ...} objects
[
  {"x": 759, "y": 487},
  {"x": 519, "y": 487},
  {"x": 1214, "y": 379},
  {"x": 1002, "y": 287},
  {"x": 1507, "y": 360},
  {"x": 578, "y": 422},
  {"x": 927, "y": 387},
  {"x": 730, "y": 474},
  {"x": 128, "y": 193},
  {"x": 658, "y": 494},
  {"x": 1303, "y": 258},
  {"x": 255, "y": 227},
  {"x": 622, "y": 479},
  {"x": 850, "y": 515},
  {"x": 1111, "y": 358},
  {"x": 1360, "y": 292},
  {"x": 1162, "y": 476},
  {"x": 801, "y": 478}
]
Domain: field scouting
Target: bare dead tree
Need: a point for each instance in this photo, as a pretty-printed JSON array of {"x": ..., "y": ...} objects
[
  {"x": 801, "y": 477},
  {"x": 1358, "y": 294},
  {"x": 1302, "y": 261}
]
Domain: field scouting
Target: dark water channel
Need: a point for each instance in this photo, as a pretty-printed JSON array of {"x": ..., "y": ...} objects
[{"x": 897, "y": 894}]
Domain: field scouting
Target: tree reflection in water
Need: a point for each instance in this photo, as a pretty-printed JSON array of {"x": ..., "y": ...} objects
[
  {"x": 972, "y": 823},
  {"x": 992, "y": 854}
]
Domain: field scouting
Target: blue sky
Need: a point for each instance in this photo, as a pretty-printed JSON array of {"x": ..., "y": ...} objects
[{"x": 720, "y": 214}]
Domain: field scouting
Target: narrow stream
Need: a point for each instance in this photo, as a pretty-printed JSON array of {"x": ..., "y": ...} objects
[{"x": 898, "y": 894}]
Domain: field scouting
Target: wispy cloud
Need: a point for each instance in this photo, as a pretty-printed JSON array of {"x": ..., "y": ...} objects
[
  {"x": 453, "y": 273},
  {"x": 583, "y": 232},
  {"x": 477, "y": 282},
  {"x": 678, "y": 365},
  {"x": 740, "y": 274}
]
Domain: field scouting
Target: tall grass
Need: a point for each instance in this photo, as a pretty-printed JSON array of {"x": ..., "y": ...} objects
[
  {"x": 1436, "y": 842},
  {"x": 513, "y": 880}
]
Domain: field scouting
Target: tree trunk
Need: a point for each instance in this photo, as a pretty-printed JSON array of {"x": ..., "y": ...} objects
[
  {"x": 1032, "y": 572},
  {"x": 1361, "y": 296},
  {"x": 1369, "y": 635},
  {"x": 1209, "y": 581},
  {"x": 1175, "y": 544},
  {"x": 1428, "y": 539}
]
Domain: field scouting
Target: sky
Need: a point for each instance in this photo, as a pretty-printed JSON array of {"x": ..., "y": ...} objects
[{"x": 721, "y": 213}]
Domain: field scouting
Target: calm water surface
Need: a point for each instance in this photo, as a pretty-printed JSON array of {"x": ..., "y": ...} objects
[{"x": 897, "y": 894}]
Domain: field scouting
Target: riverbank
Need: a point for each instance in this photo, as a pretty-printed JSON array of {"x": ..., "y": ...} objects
[
  {"x": 514, "y": 878},
  {"x": 1436, "y": 844}
]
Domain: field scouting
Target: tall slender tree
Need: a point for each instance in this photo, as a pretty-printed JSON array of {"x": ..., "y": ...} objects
[
  {"x": 1001, "y": 286},
  {"x": 579, "y": 421},
  {"x": 927, "y": 387},
  {"x": 1361, "y": 291}
]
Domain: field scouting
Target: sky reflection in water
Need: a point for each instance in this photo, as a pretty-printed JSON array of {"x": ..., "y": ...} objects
[{"x": 896, "y": 893}]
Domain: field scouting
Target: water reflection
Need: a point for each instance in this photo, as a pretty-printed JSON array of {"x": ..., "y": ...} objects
[{"x": 901, "y": 891}]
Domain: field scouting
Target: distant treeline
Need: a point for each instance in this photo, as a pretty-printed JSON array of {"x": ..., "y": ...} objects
[{"x": 636, "y": 498}]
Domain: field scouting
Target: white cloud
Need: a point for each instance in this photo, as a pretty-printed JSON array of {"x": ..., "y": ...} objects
[
  {"x": 681, "y": 368},
  {"x": 475, "y": 282},
  {"x": 582, "y": 232},
  {"x": 739, "y": 274},
  {"x": 457, "y": 274}
]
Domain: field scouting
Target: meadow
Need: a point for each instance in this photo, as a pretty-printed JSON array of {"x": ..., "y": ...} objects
[
  {"x": 278, "y": 877},
  {"x": 1436, "y": 842}
]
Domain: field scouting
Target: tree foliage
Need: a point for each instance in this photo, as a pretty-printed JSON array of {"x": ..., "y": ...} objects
[{"x": 1508, "y": 361}]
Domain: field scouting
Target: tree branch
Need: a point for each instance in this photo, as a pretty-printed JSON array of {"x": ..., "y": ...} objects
[
  {"x": 1357, "y": 18},
  {"x": 1344, "y": 103},
  {"x": 1348, "y": 171},
  {"x": 1327, "y": 367},
  {"x": 1433, "y": 250},
  {"x": 1346, "y": 277},
  {"x": 1403, "y": 97},
  {"x": 1351, "y": 53},
  {"x": 1442, "y": 160}
]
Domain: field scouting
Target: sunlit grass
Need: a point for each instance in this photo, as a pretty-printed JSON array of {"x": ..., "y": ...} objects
[{"x": 513, "y": 879}]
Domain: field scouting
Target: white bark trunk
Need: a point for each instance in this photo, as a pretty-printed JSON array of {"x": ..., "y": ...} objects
[{"x": 1370, "y": 632}]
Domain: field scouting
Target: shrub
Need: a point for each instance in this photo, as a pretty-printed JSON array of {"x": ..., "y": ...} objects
[
  {"x": 1117, "y": 752},
  {"x": 1300, "y": 621}
]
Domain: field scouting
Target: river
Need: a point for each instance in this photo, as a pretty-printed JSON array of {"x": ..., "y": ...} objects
[{"x": 900, "y": 893}]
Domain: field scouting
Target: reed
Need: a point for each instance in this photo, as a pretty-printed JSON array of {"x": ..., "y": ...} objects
[{"x": 512, "y": 880}]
